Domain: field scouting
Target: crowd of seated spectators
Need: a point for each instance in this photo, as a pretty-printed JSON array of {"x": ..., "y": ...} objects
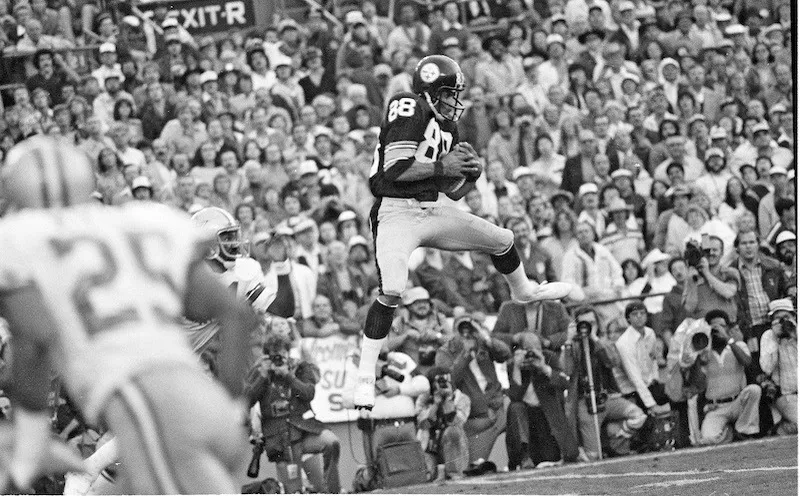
[{"x": 641, "y": 150}]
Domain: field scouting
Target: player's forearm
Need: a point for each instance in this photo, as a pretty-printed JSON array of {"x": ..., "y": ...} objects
[{"x": 415, "y": 170}]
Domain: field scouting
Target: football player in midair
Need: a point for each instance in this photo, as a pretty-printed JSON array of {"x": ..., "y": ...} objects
[{"x": 418, "y": 157}]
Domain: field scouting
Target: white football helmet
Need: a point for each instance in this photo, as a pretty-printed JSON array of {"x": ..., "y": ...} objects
[
  {"x": 42, "y": 172},
  {"x": 224, "y": 227}
]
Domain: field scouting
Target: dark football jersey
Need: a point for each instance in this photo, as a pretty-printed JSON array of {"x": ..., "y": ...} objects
[{"x": 410, "y": 132}]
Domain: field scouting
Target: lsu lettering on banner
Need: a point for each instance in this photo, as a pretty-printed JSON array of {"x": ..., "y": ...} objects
[
  {"x": 208, "y": 16},
  {"x": 332, "y": 356}
]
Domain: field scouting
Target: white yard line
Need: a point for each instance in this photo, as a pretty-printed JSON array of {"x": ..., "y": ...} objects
[{"x": 533, "y": 477}]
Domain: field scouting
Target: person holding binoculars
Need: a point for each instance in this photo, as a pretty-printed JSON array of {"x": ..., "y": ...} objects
[
  {"x": 728, "y": 397},
  {"x": 779, "y": 361},
  {"x": 284, "y": 389}
]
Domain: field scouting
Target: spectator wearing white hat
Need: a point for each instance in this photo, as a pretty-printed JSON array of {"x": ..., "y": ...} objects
[
  {"x": 761, "y": 145},
  {"x": 628, "y": 32},
  {"x": 778, "y": 359},
  {"x": 589, "y": 205},
  {"x": 108, "y": 63},
  {"x": 554, "y": 70},
  {"x": 286, "y": 85},
  {"x": 714, "y": 183}
]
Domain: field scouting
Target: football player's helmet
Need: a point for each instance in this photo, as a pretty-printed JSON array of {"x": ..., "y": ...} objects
[
  {"x": 43, "y": 172},
  {"x": 225, "y": 229},
  {"x": 438, "y": 78}
]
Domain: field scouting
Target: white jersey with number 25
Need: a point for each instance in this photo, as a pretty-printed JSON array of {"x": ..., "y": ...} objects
[{"x": 113, "y": 279}]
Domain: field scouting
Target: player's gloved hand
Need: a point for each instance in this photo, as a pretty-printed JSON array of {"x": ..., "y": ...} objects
[{"x": 459, "y": 162}]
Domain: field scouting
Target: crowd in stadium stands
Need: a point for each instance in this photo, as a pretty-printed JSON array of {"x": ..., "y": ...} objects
[{"x": 637, "y": 148}]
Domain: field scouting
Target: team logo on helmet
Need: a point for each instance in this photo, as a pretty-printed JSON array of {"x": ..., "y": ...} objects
[
  {"x": 460, "y": 78},
  {"x": 429, "y": 72}
]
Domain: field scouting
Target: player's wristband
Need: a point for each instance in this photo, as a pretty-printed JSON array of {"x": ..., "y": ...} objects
[{"x": 438, "y": 168}]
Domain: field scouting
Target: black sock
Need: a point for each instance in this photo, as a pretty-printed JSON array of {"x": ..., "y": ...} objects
[
  {"x": 507, "y": 262},
  {"x": 379, "y": 320}
]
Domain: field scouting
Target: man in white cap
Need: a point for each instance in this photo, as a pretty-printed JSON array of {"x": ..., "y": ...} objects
[
  {"x": 108, "y": 61},
  {"x": 628, "y": 33},
  {"x": 554, "y": 69},
  {"x": 589, "y": 202},
  {"x": 762, "y": 145},
  {"x": 714, "y": 182},
  {"x": 778, "y": 359}
]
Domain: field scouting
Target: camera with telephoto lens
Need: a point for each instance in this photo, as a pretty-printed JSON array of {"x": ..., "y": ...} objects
[
  {"x": 693, "y": 254},
  {"x": 787, "y": 327},
  {"x": 387, "y": 371},
  {"x": 584, "y": 329},
  {"x": 700, "y": 341},
  {"x": 467, "y": 328},
  {"x": 277, "y": 360},
  {"x": 280, "y": 408}
]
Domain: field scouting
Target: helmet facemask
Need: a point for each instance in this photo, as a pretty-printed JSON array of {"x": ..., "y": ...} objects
[
  {"x": 230, "y": 243},
  {"x": 446, "y": 110}
]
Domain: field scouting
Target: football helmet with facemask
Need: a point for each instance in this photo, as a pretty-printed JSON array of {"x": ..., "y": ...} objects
[
  {"x": 225, "y": 229},
  {"x": 440, "y": 81},
  {"x": 43, "y": 172}
]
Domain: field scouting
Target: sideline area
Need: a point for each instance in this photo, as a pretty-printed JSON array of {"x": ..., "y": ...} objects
[{"x": 761, "y": 467}]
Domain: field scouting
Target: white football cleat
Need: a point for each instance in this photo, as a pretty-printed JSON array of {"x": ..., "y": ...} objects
[
  {"x": 543, "y": 291},
  {"x": 364, "y": 392}
]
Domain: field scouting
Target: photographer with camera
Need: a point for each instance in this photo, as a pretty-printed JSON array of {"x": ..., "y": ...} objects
[
  {"x": 284, "y": 389},
  {"x": 471, "y": 355},
  {"x": 709, "y": 285},
  {"x": 537, "y": 430},
  {"x": 441, "y": 415},
  {"x": 779, "y": 361},
  {"x": 420, "y": 330},
  {"x": 603, "y": 401},
  {"x": 728, "y": 398}
]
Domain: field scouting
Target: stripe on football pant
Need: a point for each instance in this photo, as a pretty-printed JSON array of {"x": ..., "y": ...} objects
[{"x": 154, "y": 451}]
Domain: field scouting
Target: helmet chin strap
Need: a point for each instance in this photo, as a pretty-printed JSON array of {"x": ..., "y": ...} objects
[{"x": 433, "y": 108}]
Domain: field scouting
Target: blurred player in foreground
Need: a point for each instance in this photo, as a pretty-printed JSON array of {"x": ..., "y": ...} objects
[
  {"x": 95, "y": 293},
  {"x": 419, "y": 156}
]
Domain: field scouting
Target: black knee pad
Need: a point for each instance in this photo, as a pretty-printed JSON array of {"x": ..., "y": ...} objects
[{"x": 379, "y": 320}]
